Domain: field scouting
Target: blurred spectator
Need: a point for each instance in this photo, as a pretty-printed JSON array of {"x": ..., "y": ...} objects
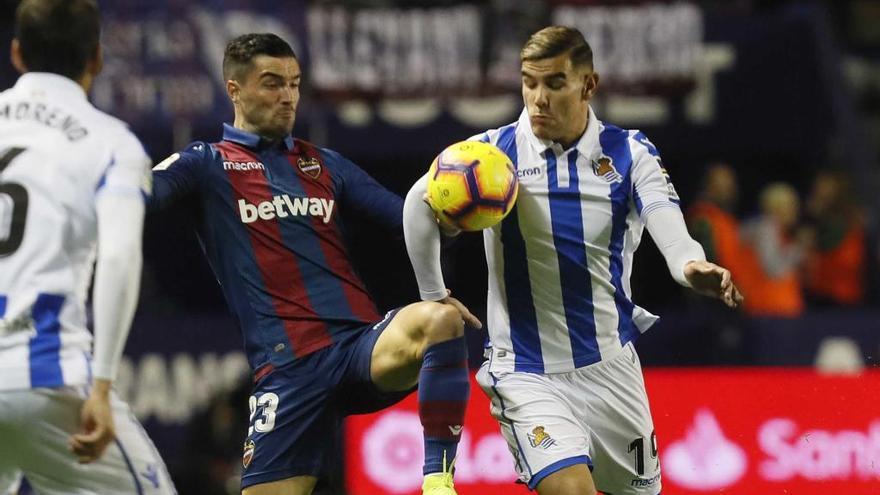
[
  {"x": 837, "y": 264},
  {"x": 781, "y": 248},
  {"x": 712, "y": 222}
]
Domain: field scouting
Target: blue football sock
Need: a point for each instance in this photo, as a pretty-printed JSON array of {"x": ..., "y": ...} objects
[{"x": 444, "y": 389}]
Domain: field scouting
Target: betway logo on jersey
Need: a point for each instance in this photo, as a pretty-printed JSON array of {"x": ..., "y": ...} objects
[
  {"x": 284, "y": 206},
  {"x": 231, "y": 165}
]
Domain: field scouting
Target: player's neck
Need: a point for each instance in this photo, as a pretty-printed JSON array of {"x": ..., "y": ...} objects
[
  {"x": 569, "y": 141},
  {"x": 85, "y": 81},
  {"x": 241, "y": 123}
]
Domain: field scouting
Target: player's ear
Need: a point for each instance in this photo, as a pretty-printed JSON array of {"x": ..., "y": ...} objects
[
  {"x": 96, "y": 64},
  {"x": 233, "y": 90},
  {"x": 591, "y": 82},
  {"x": 15, "y": 56}
]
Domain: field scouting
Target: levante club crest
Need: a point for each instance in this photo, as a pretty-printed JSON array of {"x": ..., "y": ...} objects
[
  {"x": 310, "y": 166},
  {"x": 248, "y": 455}
]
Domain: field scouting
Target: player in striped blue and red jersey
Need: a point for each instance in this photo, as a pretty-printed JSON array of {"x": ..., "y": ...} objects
[{"x": 269, "y": 222}]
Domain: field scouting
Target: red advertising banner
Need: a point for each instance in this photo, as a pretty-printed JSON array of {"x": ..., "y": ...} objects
[
  {"x": 767, "y": 432},
  {"x": 384, "y": 452},
  {"x": 721, "y": 431}
]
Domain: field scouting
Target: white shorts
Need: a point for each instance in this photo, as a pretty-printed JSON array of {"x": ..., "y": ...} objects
[
  {"x": 597, "y": 415},
  {"x": 35, "y": 426}
]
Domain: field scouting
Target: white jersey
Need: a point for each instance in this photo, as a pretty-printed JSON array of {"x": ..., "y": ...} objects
[
  {"x": 559, "y": 264},
  {"x": 57, "y": 154}
]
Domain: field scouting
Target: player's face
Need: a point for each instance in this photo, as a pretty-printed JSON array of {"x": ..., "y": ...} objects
[
  {"x": 556, "y": 95},
  {"x": 267, "y": 97}
]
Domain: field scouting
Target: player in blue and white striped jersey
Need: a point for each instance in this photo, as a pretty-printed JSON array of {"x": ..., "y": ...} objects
[
  {"x": 565, "y": 382},
  {"x": 72, "y": 186}
]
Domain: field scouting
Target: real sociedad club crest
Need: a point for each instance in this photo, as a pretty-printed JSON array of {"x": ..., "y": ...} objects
[
  {"x": 310, "y": 166},
  {"x": 604, "y": 167},
  {"x": 540, "y": 438}
]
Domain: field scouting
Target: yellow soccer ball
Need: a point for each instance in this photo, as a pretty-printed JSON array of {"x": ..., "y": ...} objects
[{"x": 472, "y": 185}]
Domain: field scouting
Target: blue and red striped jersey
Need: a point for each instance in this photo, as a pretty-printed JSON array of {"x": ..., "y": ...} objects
[{"x": 270, "y": 225}]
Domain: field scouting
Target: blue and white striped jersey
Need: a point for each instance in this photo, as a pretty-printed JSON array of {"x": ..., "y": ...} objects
[
  {"x": 559, "y": 264},
  {"x": 58, "y": 154}
]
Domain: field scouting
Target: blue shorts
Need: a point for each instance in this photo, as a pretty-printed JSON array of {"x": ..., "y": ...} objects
[{"x": 297, "y": 409}]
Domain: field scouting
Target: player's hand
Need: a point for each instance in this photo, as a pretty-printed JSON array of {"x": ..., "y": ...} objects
[
  {"x": 445, "y": 228},
  {"x": 712, "y": 280},
  {"x": 96, "y": 425},
  {"x": 466, "y": 315}
]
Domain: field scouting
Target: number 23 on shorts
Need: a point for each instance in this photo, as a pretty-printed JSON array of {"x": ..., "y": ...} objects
[{"x": 267, "y": 404}]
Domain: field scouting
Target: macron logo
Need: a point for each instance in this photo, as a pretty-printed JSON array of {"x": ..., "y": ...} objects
[
  {"x": 284, "y": 206},
  {"x": 529, "y": 174},
  {"x": 230, "y": 165}
]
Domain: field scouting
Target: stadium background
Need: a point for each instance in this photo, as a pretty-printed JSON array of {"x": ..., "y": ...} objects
[{"x": 778, "y": 90}]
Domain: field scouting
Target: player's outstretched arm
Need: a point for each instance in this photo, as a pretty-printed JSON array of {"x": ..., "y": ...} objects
[
  {"x": 359, "y": 191},
  {"x": 685, "y": 257},
  {"x": 422, "y": 235},
  {"x": 177, "y": 176},
  {"x": 423, "y": 242}
]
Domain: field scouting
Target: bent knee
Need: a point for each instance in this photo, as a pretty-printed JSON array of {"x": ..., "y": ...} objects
[{"x": 442, "y": 322}]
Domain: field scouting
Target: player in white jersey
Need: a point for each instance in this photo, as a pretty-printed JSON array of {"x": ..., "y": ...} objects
[
  {"x": 72, "y": 181},
  {"x": 563, "y": 377}
]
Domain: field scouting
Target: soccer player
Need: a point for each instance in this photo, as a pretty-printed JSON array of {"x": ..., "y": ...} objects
[
  {"x": 270, "y": 220},
  {"x": 564, "y": 379},
  {"x": 72, "y": 182}
]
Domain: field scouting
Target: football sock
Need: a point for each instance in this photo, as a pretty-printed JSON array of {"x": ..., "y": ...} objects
[{"x": 444, "y": 389}]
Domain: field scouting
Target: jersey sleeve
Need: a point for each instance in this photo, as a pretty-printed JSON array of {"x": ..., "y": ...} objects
[
  {"x": 127, "y": 173},
  {"x": 119, "y": 210},
  {"x": 178, "y": 175},
  {"x": 670, "y": 234},
  {"x": 357, "y": 190},
  {"x": 423, "y": 242},
  {"x": 703, "y": 232},
  {"x": 652, "y": 187}
]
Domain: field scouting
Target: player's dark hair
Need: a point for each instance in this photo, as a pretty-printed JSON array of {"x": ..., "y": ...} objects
[
  {"x": 58, "y": 36},
  {"x": 240, "y": 52},
  {"x": 556, "y": 40}
]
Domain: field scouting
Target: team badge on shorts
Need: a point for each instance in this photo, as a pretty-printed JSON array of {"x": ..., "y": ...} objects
[
  {"x": 248, "y": 455},
  {"x": 604, "y": 167},
  {"x": 540, "y": 438},
  {"x": 309, "y": 166}
]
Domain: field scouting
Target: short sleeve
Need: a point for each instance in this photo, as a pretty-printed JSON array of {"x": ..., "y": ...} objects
[
  {"x": 128, "y": 170},
  {"x": 652, "y": 187}
]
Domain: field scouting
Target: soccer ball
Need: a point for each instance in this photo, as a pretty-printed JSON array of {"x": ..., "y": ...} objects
[{"x": 472, "y": 185}]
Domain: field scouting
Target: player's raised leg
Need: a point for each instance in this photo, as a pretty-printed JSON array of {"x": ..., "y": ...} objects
[{"x": 424, "y": 343}]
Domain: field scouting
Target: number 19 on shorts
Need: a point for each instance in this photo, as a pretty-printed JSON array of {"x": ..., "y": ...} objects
[{"x": 638, "y": 445}]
